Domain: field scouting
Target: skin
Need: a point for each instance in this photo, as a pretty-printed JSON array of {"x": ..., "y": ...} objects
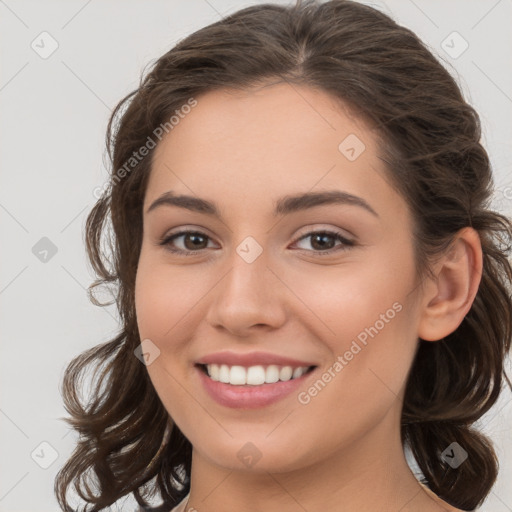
[{"x": 342, "y": 450}]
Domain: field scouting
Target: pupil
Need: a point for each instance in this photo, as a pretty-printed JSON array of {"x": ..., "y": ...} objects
[
  {"x": 323, "y": 244},
  {"x": 194, "y": 237}
]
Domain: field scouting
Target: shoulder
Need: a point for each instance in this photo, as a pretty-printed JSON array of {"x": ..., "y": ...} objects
[{"x": 439, "y": 501}]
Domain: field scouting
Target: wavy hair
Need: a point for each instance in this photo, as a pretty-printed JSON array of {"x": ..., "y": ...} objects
[{"x": 430, "y": 141}]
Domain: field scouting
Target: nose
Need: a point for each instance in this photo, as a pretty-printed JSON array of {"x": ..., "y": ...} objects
[{"x": 249, "y": 297}]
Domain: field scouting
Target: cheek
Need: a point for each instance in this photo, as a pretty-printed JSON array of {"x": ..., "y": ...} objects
[
  {"x": 341, "y": 302},
  {"x": 364, "y": 381},
  {"x": 365, "y": 316},
  {"x": 165, "y": 297}
]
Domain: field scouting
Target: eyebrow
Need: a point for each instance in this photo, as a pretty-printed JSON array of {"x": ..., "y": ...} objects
[{"x": 283, "y": 206}]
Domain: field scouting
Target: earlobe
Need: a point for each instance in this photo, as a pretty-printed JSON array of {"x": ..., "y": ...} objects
[{"x": 448, "y": 299}]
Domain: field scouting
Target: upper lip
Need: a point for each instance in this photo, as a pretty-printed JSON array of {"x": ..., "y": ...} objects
[{"x": 251, "y": 359}]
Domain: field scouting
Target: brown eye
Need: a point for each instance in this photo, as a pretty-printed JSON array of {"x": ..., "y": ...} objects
[
  {"x": 324, "y": 242},
  {"x": 193, "y": 242}
]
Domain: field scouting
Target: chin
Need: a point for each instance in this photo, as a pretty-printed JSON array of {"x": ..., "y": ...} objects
[{"x": 256, "y": 454}]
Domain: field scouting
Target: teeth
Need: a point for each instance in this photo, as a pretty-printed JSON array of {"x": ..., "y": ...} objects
[
  {"x": 271, "y": 374},
  {"x": 286, "y": 373},
  {"x": 298, "y": 372},
  {"x": 237, "y": 376},
  {"x": 253, "y": 375},
  {"x": 224, "y": 374}
]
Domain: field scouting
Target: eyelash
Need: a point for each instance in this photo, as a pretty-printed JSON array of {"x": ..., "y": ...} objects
[{"x": 165, "y": 241}]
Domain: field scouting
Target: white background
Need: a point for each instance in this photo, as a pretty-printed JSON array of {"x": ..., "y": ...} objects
[{"x": 54, "y": 113}]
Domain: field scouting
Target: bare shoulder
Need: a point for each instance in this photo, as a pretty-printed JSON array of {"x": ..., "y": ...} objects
[{"x": 441, "y": 504}]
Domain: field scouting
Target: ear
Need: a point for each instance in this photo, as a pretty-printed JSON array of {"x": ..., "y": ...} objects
[{"x": 449, "y": 297}]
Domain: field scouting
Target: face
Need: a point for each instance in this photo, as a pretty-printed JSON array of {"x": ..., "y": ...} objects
[{"x": 325, "y": 284}]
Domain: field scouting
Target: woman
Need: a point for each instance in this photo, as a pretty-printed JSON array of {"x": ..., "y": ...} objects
[{"x": 309, "y": 278}]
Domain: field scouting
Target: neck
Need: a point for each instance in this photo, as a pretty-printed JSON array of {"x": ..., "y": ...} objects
[{"x": 367, "y": 474}]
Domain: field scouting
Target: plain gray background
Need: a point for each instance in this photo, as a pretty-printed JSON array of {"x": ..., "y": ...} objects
[{"x": 54, "y": 111}]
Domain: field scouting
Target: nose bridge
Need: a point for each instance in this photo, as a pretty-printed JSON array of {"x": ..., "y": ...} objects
[
  {"x": 248, "y": 276},
  {"x": 247, "y": 261},
  {"x": 247, "y": 295}
]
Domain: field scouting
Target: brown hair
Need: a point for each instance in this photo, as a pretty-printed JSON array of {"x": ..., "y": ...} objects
[{"x": 430, "y": 141}]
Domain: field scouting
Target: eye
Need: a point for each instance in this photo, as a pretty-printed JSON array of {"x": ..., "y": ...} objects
[
  {"x": 323, "y": 242},
  {"x": 194, "y": 242}
]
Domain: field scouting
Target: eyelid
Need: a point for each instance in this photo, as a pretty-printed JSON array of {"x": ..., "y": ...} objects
[
  {"x": 346, "y": 242},
  {"x": 349, "y": 237},
  {"x": 314, "y": 228},
  {"x": 181, "y": 230}
]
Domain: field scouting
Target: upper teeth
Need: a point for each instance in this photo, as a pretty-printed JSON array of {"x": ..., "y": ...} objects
[{"x": 253, "y": 375}]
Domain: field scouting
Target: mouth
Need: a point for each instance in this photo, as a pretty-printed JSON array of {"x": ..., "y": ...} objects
[
  {"x": 251, "y": 387},
  {"x": 257, "y": 375}
]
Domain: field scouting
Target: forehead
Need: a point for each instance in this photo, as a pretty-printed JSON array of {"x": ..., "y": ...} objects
[
  {"x": 278, "y": 138},
  {"x": 268, "y": 118}
]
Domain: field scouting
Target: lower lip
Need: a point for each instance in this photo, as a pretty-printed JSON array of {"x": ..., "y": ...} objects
[{"x": 250, "y": 397}]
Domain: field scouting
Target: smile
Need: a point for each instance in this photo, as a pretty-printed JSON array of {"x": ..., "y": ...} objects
[
  {"x": 253, "y": 375},
  {"x": 251, "y": 387}
]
